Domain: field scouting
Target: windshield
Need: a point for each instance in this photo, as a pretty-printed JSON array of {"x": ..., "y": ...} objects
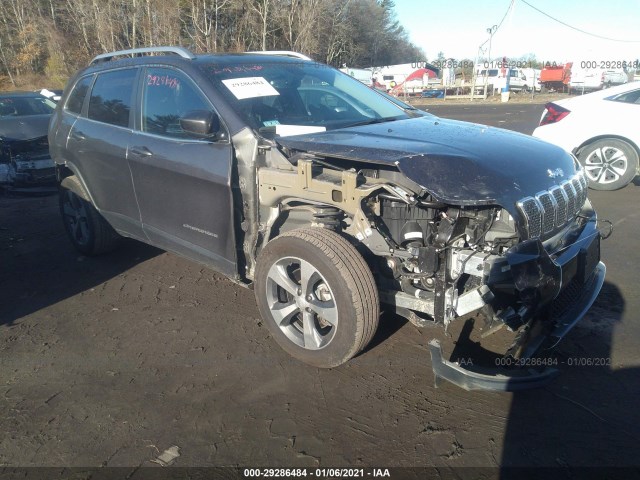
[
  {"x": 288, "y": 97},
  {"x": 25, "y": 106}
]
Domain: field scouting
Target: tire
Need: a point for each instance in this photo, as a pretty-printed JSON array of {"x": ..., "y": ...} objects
[
  {"x": 331, "y": 315},
  {"x": 609, "y": 164},
  {"x": 87, "y": 229}
]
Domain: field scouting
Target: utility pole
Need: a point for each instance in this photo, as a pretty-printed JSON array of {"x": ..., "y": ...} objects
[{"x": 490, "y": 31}]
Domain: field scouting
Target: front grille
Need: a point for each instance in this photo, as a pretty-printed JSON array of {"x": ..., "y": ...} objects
[
  {"x": 552, "y": 209},
  {"x": 571, "y": 193},
  {"x": 531, "y": 211},
  {"x": 561, "y": 204},
  {"x": 581, "y": 191},
  {"x": 549, "y": 212}
]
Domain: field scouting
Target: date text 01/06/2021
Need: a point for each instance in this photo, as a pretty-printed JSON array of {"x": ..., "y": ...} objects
[
  {"x": 522, "y": 64},
  {"x": 549, "y": 361},
  {"x": 466, "y": 63},
  {"x": 316, "y": 472}
]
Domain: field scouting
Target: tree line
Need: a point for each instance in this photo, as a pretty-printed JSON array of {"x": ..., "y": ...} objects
[{"x": 53, "y": 38}]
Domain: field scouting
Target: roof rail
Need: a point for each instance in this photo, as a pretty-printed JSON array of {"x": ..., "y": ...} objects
[
  {"x": 105, "y": 57},
  {"x": 283, "y": 53}
]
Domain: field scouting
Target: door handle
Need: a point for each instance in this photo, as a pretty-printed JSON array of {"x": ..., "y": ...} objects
[
  {"x": 141, "y": 151},
  {"x": 77, "y": 135}
]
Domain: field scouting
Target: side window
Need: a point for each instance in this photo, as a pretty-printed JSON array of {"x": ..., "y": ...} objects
[
  {"x": 76, "y": 98},
  {"x": 629, "y": 97},
  {"x": 110, "y": 100},
  {"x": 167, "y": 96}
]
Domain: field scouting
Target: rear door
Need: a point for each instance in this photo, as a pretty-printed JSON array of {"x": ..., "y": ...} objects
[
  {"x": 618, "y": 116},
  {"x": 182, "y": 181},
  {"x": 99, "y": 141},
  {"x": 63, "y": 119}
]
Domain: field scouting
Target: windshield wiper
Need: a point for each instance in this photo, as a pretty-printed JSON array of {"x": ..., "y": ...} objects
[{"x": 373, "y": 121}]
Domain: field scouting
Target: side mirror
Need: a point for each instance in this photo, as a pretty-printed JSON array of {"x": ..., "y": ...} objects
[{"x": 203, "y": 123}]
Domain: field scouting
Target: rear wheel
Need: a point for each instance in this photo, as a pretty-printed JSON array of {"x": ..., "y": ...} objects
[
  {"x": 317, "y": 296},
  {"x": 609, "y": 164},
  {"x": 87, "y": 229}
]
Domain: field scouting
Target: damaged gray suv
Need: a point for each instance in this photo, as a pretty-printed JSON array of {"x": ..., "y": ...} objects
[{"x": 331, "y": 202}]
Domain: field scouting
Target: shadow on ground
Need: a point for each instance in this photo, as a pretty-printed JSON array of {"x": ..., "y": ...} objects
[
  {"x": 33, "y": 240},
  {"x": 578, "y": 412}
]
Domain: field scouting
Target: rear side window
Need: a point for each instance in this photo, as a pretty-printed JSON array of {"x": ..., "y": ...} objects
[
  {"x": 629, "y": 97},
  {"x": 77, "y": 96},
  {"x": 110, "y": 100}
]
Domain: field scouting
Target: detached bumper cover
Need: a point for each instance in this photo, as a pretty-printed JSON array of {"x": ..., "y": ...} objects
[
  {"x": 496, "y": 379},
  {"x": 501, "y": 379}
]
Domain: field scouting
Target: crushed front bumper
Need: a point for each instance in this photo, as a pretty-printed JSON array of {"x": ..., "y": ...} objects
[
  {"x": 504, "y": 379},
  {"x": 28, "y": 172}
]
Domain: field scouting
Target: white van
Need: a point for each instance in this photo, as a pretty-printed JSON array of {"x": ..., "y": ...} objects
[
  {"x": 494, "y": 78},
  {"x": 583, "y": 80},
  {"x": 531, "y": 79},
  {"x": 615, "y": 77}
]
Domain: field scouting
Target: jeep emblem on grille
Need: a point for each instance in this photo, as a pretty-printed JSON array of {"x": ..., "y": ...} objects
[{"x": 555, "y": 173}]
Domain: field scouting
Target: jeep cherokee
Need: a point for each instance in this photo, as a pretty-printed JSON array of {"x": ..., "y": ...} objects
[{"x": 331, "y": 201}]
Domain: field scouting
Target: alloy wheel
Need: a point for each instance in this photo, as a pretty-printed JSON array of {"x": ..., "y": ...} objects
[
  {"x": 302, "y": 303},
  {"x": 606, "y": 165},
  {"x": 75, "y": 214}
]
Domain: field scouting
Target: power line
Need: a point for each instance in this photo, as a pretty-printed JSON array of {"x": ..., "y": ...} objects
[
  {"x": 579, "y": 29},
  {"x": 500, "y": 24},
  {"x": 505, "y": 14}
]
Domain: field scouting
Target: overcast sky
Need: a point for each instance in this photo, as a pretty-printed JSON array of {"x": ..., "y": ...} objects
[{"x": 458, "y": 27}]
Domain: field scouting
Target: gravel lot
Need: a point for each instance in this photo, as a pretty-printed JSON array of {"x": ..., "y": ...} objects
[{"x": 108, "y": 361}]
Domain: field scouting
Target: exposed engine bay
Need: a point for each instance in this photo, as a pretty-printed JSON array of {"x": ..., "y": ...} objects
[{"x": 435, "y": 262}]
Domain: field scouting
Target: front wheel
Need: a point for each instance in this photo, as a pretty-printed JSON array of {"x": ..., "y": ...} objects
[
  {"x": 609, "y": 164},
  {"x": 317, "y": 296}
]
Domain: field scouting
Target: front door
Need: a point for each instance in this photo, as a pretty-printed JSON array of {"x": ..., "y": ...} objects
[{"x": 182, "y": 180}]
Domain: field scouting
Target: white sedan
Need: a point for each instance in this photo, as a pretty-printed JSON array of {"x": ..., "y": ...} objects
[{"x": 602, "y": 129}]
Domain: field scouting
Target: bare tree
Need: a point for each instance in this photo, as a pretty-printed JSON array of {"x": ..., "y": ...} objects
[
  {"x": 204, "y": 23},
  {"x": 6, "y": 64},
  {"x": 261, "y": 7},
  {"x": 58, "y": 36},
  {"x": 337, "y": 32}
]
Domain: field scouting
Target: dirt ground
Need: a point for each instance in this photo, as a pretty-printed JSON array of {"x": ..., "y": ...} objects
[{"x": 108, "y": 361}]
